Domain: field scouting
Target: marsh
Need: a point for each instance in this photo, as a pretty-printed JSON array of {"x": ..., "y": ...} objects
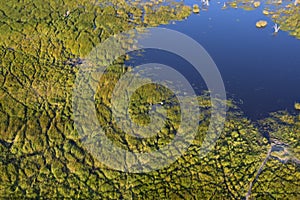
[{"x": 45, "y": 44}]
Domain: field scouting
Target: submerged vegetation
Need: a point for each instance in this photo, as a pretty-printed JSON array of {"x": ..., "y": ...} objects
[{"x": 41, "y": 155}]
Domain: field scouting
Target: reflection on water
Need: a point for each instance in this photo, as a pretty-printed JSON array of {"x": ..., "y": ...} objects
[
  {"x": 259, "y": 67},
  {"x": 43, "y": 43}
]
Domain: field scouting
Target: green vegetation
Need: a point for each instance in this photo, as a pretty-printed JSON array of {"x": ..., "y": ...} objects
[
  {"x": 261, "y": 24},
  {"x": 297, "y": 106},
  {"x": 256, "y": 4},
  {"x": 286, "y": 14},
  {"x": 196, "y": 8},
  {"x": 41, "y": 156},
  {"x": 288, "y": 17}
]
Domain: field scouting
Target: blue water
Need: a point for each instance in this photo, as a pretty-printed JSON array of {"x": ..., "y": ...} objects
[{"x": 261, "y": 69}]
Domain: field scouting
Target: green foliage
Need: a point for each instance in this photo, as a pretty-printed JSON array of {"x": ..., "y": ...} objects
[
  {"x": 285, "y": 14},
  {"x": 41, "y": 155}
]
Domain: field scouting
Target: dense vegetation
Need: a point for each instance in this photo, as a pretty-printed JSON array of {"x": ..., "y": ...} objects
[{"x": 41, "y": 46}]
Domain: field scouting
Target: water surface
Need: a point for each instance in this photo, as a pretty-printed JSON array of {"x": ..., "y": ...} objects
[
  {"x": 258, "y": 67},
  {"x": 44, "y": 43}
]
